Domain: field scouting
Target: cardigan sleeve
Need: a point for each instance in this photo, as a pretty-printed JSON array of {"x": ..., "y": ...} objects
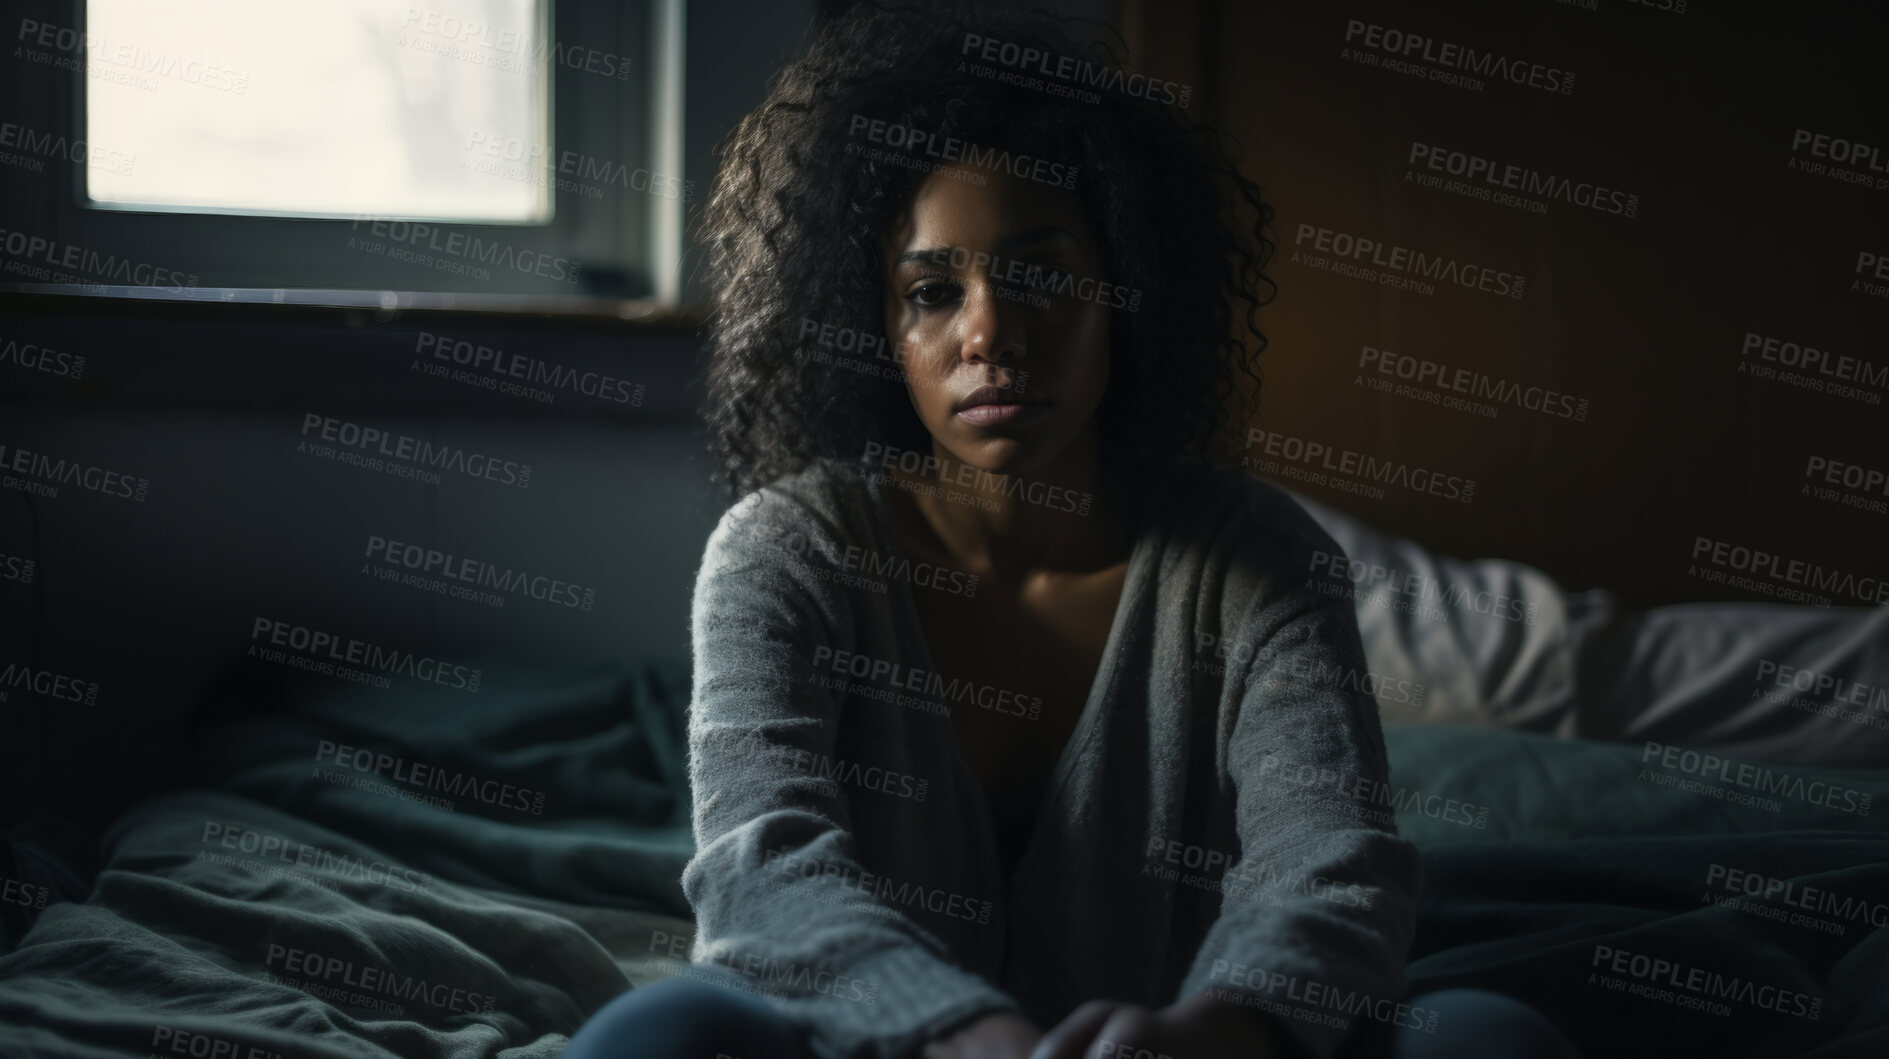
[
  {"x": 862, "y": 977},
  {"x": 1319, "y": 906}
]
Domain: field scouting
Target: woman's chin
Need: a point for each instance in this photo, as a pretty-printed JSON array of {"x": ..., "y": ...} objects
[{"x": 1000, "y": 455}]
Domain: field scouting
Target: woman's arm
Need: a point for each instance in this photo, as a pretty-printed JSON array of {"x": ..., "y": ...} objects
[
  {"x": 1320, "y": 904},
  {"x": 1318, "y": 908},
  {"x": 863, "y": 976}
]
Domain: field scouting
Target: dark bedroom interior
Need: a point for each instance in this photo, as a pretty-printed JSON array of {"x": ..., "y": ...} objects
[{"x": 389, "y": 669}]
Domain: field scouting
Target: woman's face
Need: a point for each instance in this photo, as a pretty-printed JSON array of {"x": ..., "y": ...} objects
[{"x": 982, "y": 286}]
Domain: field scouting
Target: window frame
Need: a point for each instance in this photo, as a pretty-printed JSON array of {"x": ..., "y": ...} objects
[{"x": 625, "y": 243}]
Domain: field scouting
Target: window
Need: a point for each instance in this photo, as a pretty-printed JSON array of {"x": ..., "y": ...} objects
[
  {"x": 421, "y": 152},
  {"x": 372, "y": 108}
]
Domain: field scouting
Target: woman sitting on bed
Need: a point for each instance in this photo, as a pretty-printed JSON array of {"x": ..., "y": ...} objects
[{"x": 1015, "y": 729}]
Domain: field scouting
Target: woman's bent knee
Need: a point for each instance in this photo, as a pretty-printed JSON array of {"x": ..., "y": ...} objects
[
  {"x": 691, "y": 1016},
  {"x": 1479, "y": 1023}
]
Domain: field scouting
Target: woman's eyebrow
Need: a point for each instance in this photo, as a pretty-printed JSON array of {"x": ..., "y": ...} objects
[
  {"x": 1008, "y": 242},
  {"x": 924, "y": 257}
]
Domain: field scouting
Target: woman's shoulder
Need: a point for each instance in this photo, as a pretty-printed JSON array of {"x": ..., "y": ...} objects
[
  {"x": 1257, "y": 525},
  {"x": 1260, "y": 557},
  {"x": 821, "y": 508}
]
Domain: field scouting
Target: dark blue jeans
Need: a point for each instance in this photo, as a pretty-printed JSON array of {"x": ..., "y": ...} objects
[
  {"x": 707, "y": 1014},
  {"x": 704, "y": 1013}
]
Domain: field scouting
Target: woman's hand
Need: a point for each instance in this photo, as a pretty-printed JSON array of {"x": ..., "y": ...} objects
[
  {"x": 999, "y": 1035},
  {"x": 1200, "y": 1027}
]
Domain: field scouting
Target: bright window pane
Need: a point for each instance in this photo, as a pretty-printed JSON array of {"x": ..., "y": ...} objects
[{"x": 338, "y": 108}]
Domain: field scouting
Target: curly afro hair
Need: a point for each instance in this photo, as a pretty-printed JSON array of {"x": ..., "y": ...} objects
[{"x": 792, "y": 233}]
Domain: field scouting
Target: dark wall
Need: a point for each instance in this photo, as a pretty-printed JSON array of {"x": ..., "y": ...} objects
[
  {"x": 1720, "y": 216},
  {"x": 206, "y": 408}
]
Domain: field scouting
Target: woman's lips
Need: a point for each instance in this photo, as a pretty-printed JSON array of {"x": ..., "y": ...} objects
[{"x": 988, "y": 414}]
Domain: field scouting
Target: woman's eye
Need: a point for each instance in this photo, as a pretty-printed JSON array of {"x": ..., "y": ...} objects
[{"x": 930, "y": 295}]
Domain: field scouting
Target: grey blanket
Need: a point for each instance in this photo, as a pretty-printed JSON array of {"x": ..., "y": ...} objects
[
  {"x": 392, "y": 921},
  {"x": 437, "y": 874}
]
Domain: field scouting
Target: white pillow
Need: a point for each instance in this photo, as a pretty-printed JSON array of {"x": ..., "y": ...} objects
[
  {"x": 1487, "y": 641},
  {"x": 1772, "y": 682},
  {"x": 1775, "y": 682}
]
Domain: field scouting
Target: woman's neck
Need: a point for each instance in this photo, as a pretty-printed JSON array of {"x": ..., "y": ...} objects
[{"x": 1060, "y": 516}]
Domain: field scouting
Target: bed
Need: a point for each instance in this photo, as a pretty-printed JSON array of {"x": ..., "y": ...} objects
[{"x": 471, "y": 876}]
